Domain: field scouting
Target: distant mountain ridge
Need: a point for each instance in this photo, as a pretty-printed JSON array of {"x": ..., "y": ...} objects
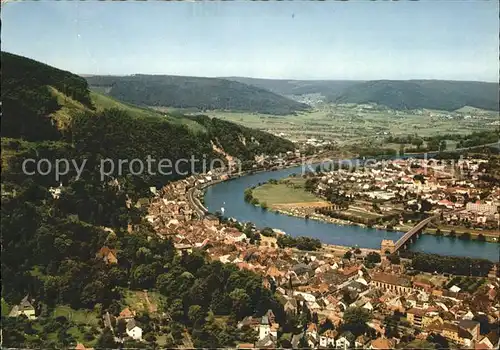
[
  {"x": 396, "y": 94},
  {"x": 415, "y": 94},
  {"x": 298, "y": 87},
  {"x": 189, "y": 92}
]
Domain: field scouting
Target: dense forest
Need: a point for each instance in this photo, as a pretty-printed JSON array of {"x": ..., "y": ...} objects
[
  {"x": 415, "y": 94},
  {"x": 449, "y": 264},
  {"x": 201, "y": 93},
  {"x": 49, "y": 244},
  {"x": 243, "y": 142},
  {"x": 298, "y": 87},
  {"x": 402, "y": 94},
  {"x": 27, "y": 101}
]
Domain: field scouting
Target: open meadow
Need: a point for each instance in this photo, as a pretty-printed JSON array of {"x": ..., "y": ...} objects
[
  {"x": 289, "y": 194},
  {"x": 349, "y": 124}
]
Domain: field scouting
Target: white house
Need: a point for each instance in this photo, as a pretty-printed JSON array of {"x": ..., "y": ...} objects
[
  {"x": 25, "y": 308},
  {"x": 133, "y": 330},
  {"x": 264, "y": 327},
  {"x": 327, "y": 339},
  {"x": 343, "y": 342},
  {"x": 368, "y": 306}
]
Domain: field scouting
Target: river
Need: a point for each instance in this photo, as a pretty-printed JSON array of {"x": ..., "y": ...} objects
[{"x": 229, "y": 194}]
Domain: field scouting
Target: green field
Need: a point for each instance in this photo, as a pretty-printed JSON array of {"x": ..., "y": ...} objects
[
  {"x": 137, "y": 301},
  {"x": 285, "y": 194},
  {"x": 85, "y": 317},
  {"x": 102, "y": 101},
  {"x": 347, "y": 124},
  {"x": 69, "y": 107}
]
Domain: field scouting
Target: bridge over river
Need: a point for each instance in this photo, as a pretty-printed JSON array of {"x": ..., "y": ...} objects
[
  {"x": 230, "y": 195},
  {"x": 389, "y": 245}
]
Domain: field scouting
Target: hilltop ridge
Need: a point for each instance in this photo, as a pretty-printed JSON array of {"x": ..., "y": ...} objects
[
  {"x": 197, "y": 92},
  {"x": 415, "y": 94},
  {"x": 395, "y": 94}
]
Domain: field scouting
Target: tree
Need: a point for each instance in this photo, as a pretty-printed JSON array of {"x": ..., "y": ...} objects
[
  {"x": 240, "y": 301},
  {"x": 442, "y": 146},
  {"x": 440, "y": 341},
  {"x": 267, "y": 232},
  {"x": 134, "y": 344},
  {"x": 373, "y": 257},
  {"x": 418, "y": 142},
  {"x": 106, "y": 340},
  {"x": 248, "y": 195},
  {"x": 303, "y": 344},
  {"x": 465, "y": 236},
  {"x": 348, "y": 255},
  {"x": 195, "y": 313},
  {"x": 394, "y": 259},
  {"x": 121, "y": 327},
  {"x": 484, "y": 323},
  {"x": 144, "y": 276},
  {"x": 451, "y": 264},
  {"x": 355, "y": 319},
  {"x": 93, "y": 293},
  {"x": 176, "y": 310}
]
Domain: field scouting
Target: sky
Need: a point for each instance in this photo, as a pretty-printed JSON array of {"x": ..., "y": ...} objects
[{"x": 358, "y": 40}]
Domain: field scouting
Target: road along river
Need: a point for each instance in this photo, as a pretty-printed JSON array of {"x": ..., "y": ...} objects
[{"x": 229, "y": 195}]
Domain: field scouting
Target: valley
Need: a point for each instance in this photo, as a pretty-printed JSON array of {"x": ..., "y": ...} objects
[
  {"x": 255, "y": 239},
  {"x": 368, "y": 124}
]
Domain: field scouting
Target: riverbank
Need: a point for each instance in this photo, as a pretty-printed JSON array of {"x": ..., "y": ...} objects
[
  {"x": 289, "y": 197},
  {"x": 328, "y": 219},
  {"x": 487, "y": 236},
  {"x": 478, "y": 235},
  {"x": 230, "y": 195}
]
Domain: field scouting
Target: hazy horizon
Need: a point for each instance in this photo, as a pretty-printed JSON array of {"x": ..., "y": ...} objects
[
  {"x": 360, "y": 41},
  {"x": 282, "y": 79}
]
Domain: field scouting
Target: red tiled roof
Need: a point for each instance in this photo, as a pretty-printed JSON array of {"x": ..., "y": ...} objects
[
  {"x": 381, "y": 343},
  {"x": 391, "y": 279},
  {"x": 416, "y": 311},
  {"x": 350, "y": 270},
  {"x": 125, "y": 313}
]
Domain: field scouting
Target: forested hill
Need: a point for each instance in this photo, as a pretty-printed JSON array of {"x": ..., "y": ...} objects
[
  {"x": 27, "y": 101},
  {"x": 38, "y": 99},
  {"x": 298, "y": 87},
  {"x": 396, "y": 94},
  {"x": 194, "y": 92},
  {"x": 415, "y": 94},
  {"x": 49, "y": 242}
]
